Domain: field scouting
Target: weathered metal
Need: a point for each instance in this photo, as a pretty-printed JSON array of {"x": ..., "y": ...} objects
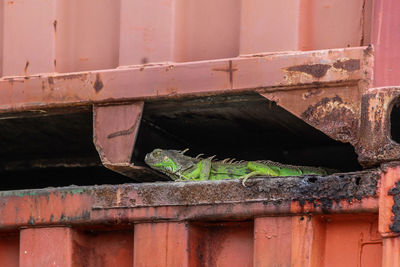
[
  {"x": 304, "y": 221},
  {"x": 268, "y": 72},
  {"x": 348, "y": 192},
  {"x": 324, "y": 88},
  {"x": 114, "y": 134},
  {"x": 389, "y": 213}
]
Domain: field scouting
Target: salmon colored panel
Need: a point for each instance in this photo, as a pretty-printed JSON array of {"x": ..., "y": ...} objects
[
  {"x": 352, "y": 241},
  {"x": 386, "y": 40},
  {"x": 45, "y": 247},
  {"x": 105, "y": 249},
  {"x": 332, "y": 23},
  {"x": 87, "y": 34},
  {"x": 28, "y": 35},
  {"x": 391, "y": 255},
  {"x": 388, "y": 180},
  {"x": 221, "y": 244},
  {"x": 268, "y": 26},
  {"x": 370, "y": 257},
  {"x": 206, "y": 29},
  {"x": 147, "y": 31},
  {"x": 272, "y": 241},
  {"x": 1, "y": 36},
  {"x": 161, "y": 244},
  {"x": 308, "y": 241},
  {"x": 9, "y": 251}
]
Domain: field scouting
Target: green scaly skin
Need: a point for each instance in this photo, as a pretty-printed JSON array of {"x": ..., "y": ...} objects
[{"x": 180, "y": 167}]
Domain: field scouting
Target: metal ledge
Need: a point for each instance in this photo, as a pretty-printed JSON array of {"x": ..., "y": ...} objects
[
  {"x": 283, "y": 71},
  {"x": 210, "y": 200}
]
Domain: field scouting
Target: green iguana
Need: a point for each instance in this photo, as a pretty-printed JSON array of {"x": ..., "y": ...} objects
[{"x": 181, "y": 167}]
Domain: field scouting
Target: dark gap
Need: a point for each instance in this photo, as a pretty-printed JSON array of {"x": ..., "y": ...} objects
[
  {"x": 57, "y": 149},
  {"x": 51, "y": 150},
  {"x": 245, "y": 127},
  {"x": 395, "y": 122},
  {"x": 312, "y": 179}
]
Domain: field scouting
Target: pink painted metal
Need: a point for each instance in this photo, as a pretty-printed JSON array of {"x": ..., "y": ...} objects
[
  {"x": 28, "y": 42},
  {"x": 386, "y": 42},
  {"x": 71, "y": 35},
  {"x": 265, "y": 73}
]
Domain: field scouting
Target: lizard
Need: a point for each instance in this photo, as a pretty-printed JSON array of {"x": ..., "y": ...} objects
[{"x": 180, "y": 167}]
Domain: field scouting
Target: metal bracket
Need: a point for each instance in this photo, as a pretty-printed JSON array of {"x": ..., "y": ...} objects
[
  {"x": 348, "y": 115},
  {"x": 115, "y": 128}
]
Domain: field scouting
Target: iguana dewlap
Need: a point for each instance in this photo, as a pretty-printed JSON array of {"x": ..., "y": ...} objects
[{"x": 181, "y": 167}]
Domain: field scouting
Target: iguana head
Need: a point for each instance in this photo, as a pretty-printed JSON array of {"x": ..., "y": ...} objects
[{"x": 169, "y": 162}]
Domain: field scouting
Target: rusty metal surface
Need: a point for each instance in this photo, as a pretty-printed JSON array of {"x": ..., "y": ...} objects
[
  {"x": 341, "y": 193},
  {"x": 376, "y": 144},
  {"x": 334, "y": 110},
  {"x": 389, "y": 213},
  {"x": 114, "y": 134},
  {"x": 267, "y": 72}
]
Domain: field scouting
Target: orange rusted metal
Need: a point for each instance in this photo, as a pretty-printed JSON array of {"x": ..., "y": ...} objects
[
  {"x": 191, "y": 224},
  {"x": 36, "y": 243},
  {"x": 114, "y": 134},
  {"x": 168, "y": 242},
  {"x": 9, "y": 250},
  {"x": 388, "y": 217},
  {"x": 64, "y": 246}
]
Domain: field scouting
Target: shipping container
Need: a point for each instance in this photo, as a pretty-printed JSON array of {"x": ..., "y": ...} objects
[{"x": 89, "y": 87}]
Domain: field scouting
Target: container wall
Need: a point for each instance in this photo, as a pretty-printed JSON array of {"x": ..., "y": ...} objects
[
  {"x": 41, "y": 36},
  {"x": 335, "y": 240},
  {"x": 9, "y": 250}
]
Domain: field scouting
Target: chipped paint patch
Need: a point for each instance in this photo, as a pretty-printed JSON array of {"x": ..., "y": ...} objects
[{"x": 315, "y": 70}]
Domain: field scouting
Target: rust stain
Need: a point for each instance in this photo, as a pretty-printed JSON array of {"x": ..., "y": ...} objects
[
  {"x": 81, "y": 76},
  {"x": 368, "y": 51},
  {"x": 50, "y": 80},
  {"x": 395, "y": 192},
  {"x": 171, "y": 91},
  {"x": 55, "y": 63},
  {"x": 145, "y": 60},
  {"x": 98, "y": 84},
  {"x": 128, "y": 131},
  {"x": 26, "y": 67},
  {"x": 55, "y": 25},
  {"x": 170, "y": 67},
  {"x": 312, "y": 92},
  {"x": 229, "y": 70},
  {"x": 335, "y": 118},
  {"x": 10, "y": 2},
  {"x": 315, "y": 70},
  {"x": 347, "y": 65}
]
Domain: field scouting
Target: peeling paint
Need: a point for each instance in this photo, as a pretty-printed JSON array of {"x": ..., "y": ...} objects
[{"x": 315, "y": 70}]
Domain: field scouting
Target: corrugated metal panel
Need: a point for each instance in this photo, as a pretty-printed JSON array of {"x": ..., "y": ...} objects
[
  {"x": 341, "y": 220},
  {"x": 68, "y": 36}
]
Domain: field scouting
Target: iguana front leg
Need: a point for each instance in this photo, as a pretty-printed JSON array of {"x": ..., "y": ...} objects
[{"x": 258, "y": 169}]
